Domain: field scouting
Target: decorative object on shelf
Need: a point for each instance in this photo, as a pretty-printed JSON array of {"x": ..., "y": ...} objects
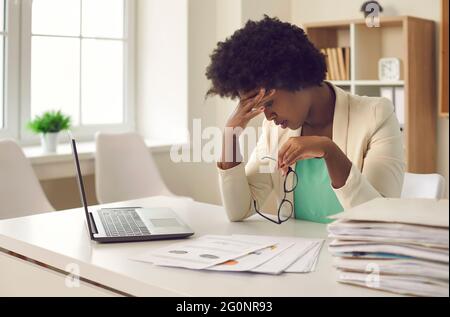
[
  {"x": 389, "y": 69},
  {"x": 48, "y": 126},
  {"x": 368, "y": 7},
  {"x": 372, "y": 10}
]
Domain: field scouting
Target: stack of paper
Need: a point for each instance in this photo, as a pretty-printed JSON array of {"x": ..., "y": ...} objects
[
  {"x": 239, "y": 253},
  {"x": 398, "y": 245}
]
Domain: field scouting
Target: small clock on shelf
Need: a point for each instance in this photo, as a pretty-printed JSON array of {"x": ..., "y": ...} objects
[{"x": 389, "y": 69}]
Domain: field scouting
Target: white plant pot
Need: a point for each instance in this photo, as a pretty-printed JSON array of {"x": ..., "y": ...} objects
[{"x": 49, "y": 142}]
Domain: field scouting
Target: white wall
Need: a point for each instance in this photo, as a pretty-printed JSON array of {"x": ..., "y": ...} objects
[
  {"x": 161, "y": 72},
  {"x": 170, "y": 35},
  {"x": 255, "y": 9},
  {"x": 304, "y": 11}
]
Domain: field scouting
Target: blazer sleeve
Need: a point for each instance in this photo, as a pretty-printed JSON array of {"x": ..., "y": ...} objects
[
  {"x": 383, "y": 164},
  {"x": 240, "y": 185}
]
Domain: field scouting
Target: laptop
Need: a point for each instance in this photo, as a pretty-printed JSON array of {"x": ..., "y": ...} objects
[{"x": 127, "y": 224}]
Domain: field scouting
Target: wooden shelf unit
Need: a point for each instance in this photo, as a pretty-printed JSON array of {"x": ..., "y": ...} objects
[{"x": 410, "y": 39}]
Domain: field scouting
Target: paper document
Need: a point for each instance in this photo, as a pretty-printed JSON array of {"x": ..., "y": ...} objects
[
  {"x": 252, "y": 260},
  {"x": 420, "y": 286},
  {"x": 396, "y": 245},
  {"x": 386, "y": 240},
  {"x": 278, "y": 264},
  {"x": 395, "y": 267},
  {"x": 203, "y": 252},
  {"x": 308, "y": 262},
  {"x": 239, "y": 253},
  {"x": 404, "y": 250},
  {"x": 406, "y": 232},
  {"x": 400, "y": 211}
]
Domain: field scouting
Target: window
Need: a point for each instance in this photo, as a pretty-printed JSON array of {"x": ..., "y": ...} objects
[{"x": 76, "y": 56}]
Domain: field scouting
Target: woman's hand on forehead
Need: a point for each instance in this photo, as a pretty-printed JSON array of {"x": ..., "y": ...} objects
[{"x": 244, "y": 96}]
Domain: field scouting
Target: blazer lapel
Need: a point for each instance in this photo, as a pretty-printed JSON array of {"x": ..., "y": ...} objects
[{"x": 340, "y": 119}]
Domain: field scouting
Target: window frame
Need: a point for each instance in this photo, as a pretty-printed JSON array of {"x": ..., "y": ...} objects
[
  {"x": 11, "y": 89},
  {"x": 83, "y": 132}
]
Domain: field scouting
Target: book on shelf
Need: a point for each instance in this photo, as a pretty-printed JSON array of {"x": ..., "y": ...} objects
[
  {"x": 341, "y": 63},
  {"x": 331, "y": 64},
  {"x": 334, "y": 63},
  {"x": 338, "y": 62},
  {"x": 347, "y": 62}
]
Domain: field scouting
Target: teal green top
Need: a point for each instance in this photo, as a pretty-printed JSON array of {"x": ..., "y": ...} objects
[{"x": 314, "y": 198}]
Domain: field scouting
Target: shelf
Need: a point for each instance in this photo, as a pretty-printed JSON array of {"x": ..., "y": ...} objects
[
  {"x": 379, "y": 83},
  {"x": 341, "y": 82}
]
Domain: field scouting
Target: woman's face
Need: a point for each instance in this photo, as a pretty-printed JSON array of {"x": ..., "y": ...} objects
[{"x": 289, "y": 109}]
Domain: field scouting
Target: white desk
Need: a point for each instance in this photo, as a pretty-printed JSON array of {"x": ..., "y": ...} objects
[{"x": 60, "y": 240}]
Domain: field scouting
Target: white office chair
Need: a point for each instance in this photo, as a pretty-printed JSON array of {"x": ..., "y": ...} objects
[
  {"x": 21, "y": 193},
  {"x": 423, "y": 186},
  {"x": 125, "y": 170}
]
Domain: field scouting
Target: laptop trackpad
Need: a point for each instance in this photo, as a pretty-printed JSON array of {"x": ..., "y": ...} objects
[{"x": 164, "y": 222}]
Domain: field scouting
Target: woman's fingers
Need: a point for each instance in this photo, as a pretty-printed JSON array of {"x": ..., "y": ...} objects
[
  {"x": 291, "y": 157},
  {"x": 259, "y": 99},
  {"x": 254, "y": 113},
  {"x": 250, "y": 106},
  {"x": 287, "y": 157},
  {"x": 267, "y": 97},
  {"x": 252, "y": 97},
  {"x": 284, "y": 170},
  {"x": 251, "y": 94},
  {"x": 281, "y": 153}
]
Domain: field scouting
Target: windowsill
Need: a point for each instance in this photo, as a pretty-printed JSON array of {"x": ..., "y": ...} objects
[
  {"x": 86, "y": 151},
  {"x": 60, "y": 165},
  {"x": 35, "y": 154}
]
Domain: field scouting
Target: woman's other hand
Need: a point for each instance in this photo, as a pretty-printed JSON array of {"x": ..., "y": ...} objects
[
  {"x": 302, "y": 148},
  {"x": 305, "y": 147}
]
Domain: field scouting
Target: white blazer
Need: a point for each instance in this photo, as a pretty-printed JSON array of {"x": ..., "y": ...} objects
[{"x": 366, "y": 129}]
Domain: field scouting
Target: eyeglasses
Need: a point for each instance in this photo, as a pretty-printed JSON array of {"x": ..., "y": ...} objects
[{"x": 286, "y": 207}]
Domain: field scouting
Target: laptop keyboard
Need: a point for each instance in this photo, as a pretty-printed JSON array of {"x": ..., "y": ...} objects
[{"x": 122, "y": 222}]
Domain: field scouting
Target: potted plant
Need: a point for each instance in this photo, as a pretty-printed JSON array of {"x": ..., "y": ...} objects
[{"x": 48, "y": 126}]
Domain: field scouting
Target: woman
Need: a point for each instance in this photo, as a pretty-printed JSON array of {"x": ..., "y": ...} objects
[{"x": 336, "y": 149}]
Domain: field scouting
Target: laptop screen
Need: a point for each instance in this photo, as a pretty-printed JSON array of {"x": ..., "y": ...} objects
[{"x": 81, "y": 184}]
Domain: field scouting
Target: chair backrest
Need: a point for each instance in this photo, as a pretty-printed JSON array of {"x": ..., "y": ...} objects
[
  {"x": 423, "y": 186},
  {"x": 21, "y": 193},
  {"x": 125, "y": 169}
]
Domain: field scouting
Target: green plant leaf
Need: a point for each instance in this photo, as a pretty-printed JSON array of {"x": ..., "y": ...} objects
[{"x": 50, "y": 122}]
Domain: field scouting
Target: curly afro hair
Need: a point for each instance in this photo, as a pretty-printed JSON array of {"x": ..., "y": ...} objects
[{"x": 266, "y": 53}]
